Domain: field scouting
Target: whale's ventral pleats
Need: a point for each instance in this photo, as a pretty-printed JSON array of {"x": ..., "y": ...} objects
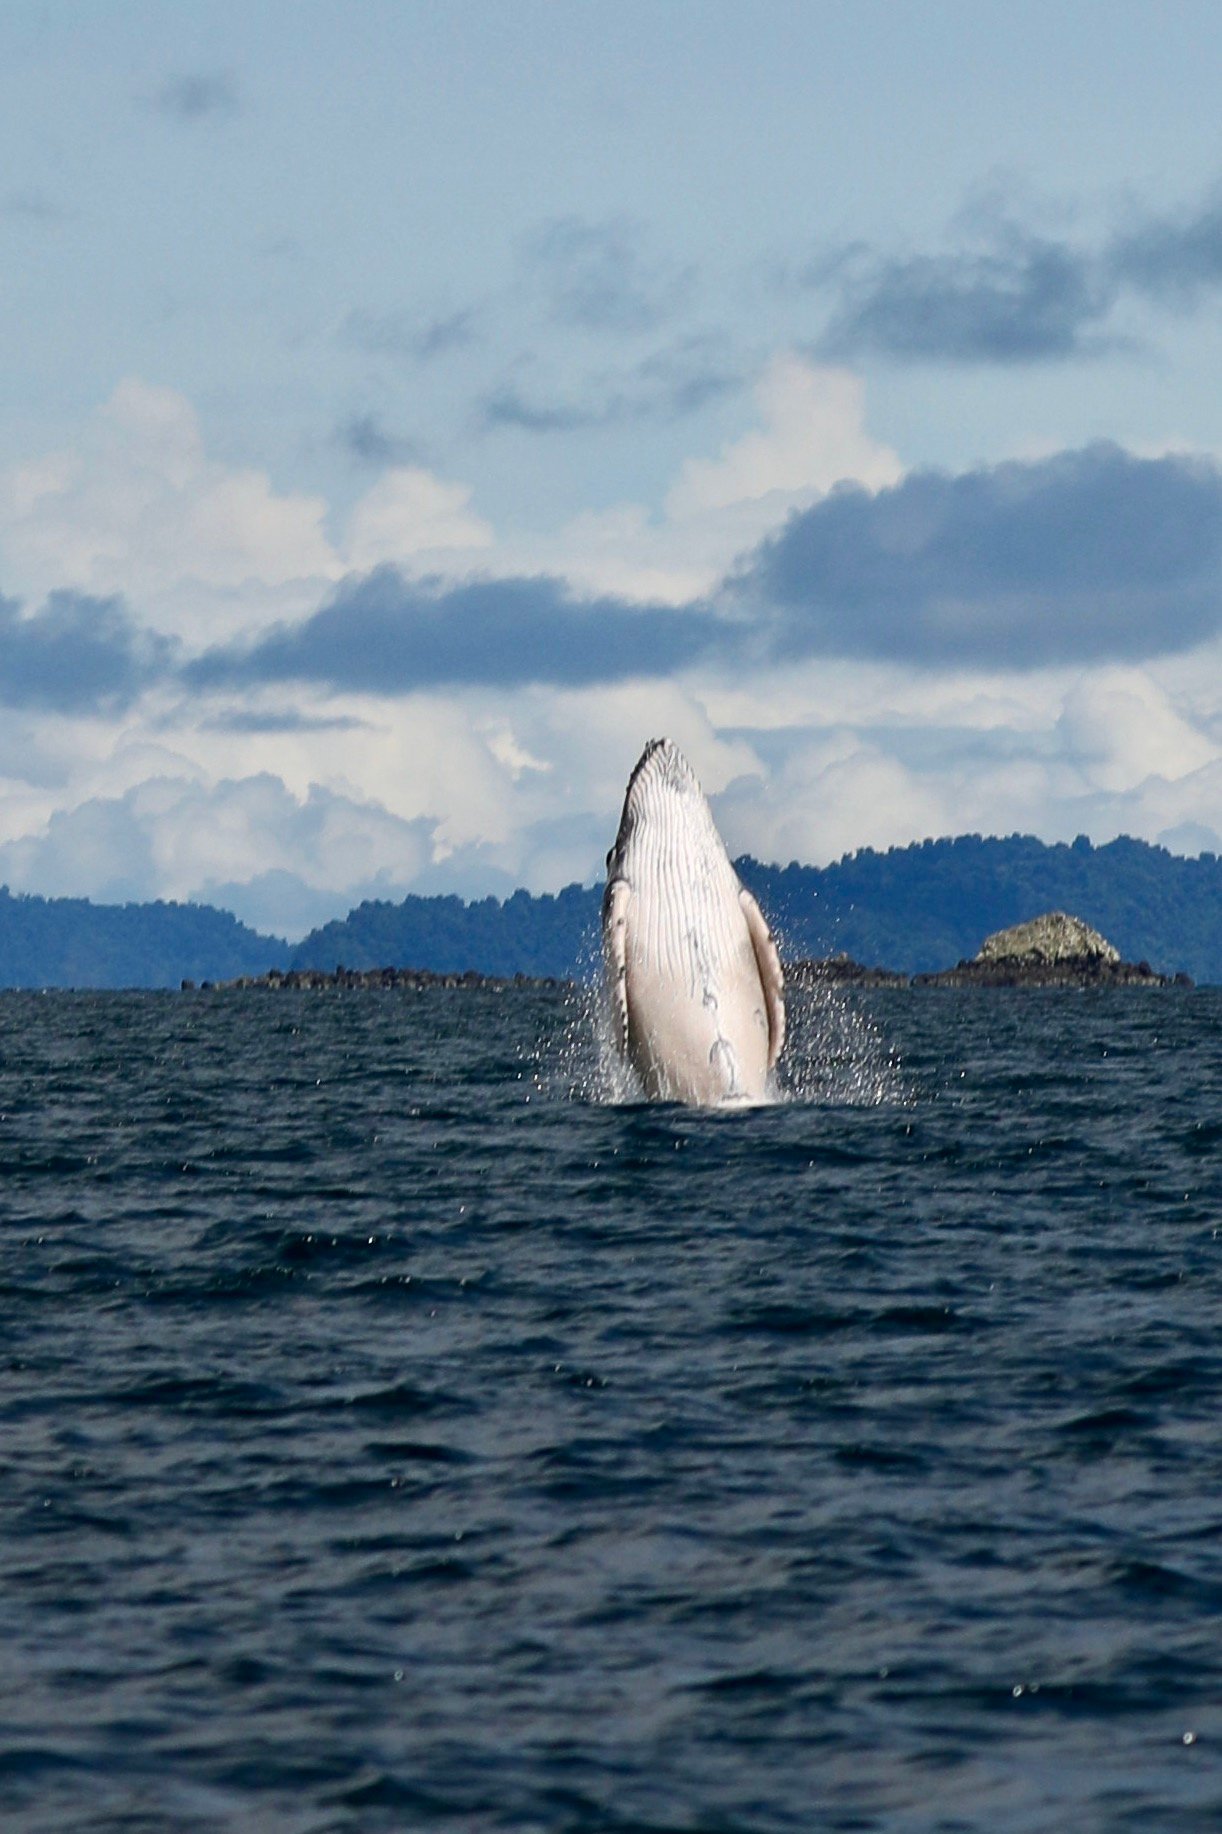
[{"x": 693, "y": 976}]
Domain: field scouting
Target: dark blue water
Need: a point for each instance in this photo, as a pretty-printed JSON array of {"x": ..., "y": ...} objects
[{"x": 391, "y": 1438}]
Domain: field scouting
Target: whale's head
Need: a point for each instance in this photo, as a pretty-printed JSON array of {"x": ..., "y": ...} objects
[{"x": 665, "y": 812}]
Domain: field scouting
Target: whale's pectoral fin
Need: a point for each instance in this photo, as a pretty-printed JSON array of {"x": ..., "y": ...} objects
[
  {"x": 616, "y": 899},
  {"x": 772, "y": 980}
]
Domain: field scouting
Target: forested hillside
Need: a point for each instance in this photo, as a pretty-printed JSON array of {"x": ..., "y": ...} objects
[
  {"x": 923, "y": 907},
  {"x": 69, "y": 942},
  {"x": 524, "y": 935},
  {"x": 913, "y": 908}
]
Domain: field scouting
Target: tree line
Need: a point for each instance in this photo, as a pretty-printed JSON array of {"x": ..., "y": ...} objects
[{"x": 915, "y": 909}]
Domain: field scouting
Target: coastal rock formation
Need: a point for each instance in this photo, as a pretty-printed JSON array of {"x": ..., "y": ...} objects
[
  {"x": 1054, "y": 937},
  {"x": 413, "y": 980},
  {"x": 1054, "y": 950}
]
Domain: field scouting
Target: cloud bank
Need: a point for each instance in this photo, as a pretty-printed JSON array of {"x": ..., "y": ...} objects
[
  {"x": 1010, "y": 295},
  {"x": 890, "y": 655},
  {"x": 1086, "y": 556},
  {"x": 384, "y": 634},
  {"x": 77, "y": 654}
]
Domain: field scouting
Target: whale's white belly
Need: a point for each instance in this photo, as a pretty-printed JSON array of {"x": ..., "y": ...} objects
[
  {"x": 693, "y": 975},
  {"x": 697, "y": 1023}
]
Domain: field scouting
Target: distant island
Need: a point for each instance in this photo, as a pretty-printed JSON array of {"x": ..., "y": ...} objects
[
  {"x": 917, "y": 909},
  {"x": 1054, "y": 950}
]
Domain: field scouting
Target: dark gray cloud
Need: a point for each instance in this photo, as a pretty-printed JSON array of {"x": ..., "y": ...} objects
[
  {"x": 1175, "y": 260},
  {"x": 1026, "y": 300},
  {"x": 600, "y": 277},
  {"x": 1010, "y": 295},
  {"x": 670, "y": 384},
  {"x": 686, "y": 376},
  {"x": 1088, "y": 555},
  {"x": 198, "y": 95},
  {"x": 385, "y": 635},
  {"x": 508, "y": 406},
  {"x": 452, "y": 331},
  {"x": 241, "y": 720},
  {"x": 407, "y": 337},
  {"x": 365, "y": 439},
  {"x": 1083, "y": 557},
  {"x": 76, "y": 655}
]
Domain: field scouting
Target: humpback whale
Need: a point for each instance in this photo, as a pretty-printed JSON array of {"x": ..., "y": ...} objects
[{"x": 693, "y": 976}]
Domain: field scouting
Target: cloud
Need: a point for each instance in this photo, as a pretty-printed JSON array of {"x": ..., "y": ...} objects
[
  {"x": 137, "y": 507},
  {"x": 246, "y": 843},
  {"x": 76, "y": 655},
  {"x": 1176, "y": 260},
  {"x": 679, "y": 380},
  {"x": 406, "y": 335},
  {"x": 365, "y": 439},
  {"x": 411, "y": 513},
  {"x": 1110, "y": 753},
  {"x": 208, "y": 552},
  {"x": 1122, "y": 728},
  {"x": 827, "y": 798},
  {"x": 507, "y": 406},
  {"x": 813, "y": 437},
  {"x": 1010, "y": 295},
  {"x": 257, "y": 720},
  {"x": 384, "y": 634},
  {"x": 687, "y": 375},
  {"x": 198, "y": 95},
  {"x": 1028, "y": 299},
  {"x": 599, "y": 277},
  {"x": 1093, "y": 554},
  {"x": 437, "y": 337}
]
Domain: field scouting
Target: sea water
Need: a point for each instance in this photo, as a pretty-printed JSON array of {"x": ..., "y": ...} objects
[{"x": 396, "y": 1432}]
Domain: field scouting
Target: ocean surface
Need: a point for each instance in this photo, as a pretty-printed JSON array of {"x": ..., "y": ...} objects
[{"x": 398, "y": 1433}]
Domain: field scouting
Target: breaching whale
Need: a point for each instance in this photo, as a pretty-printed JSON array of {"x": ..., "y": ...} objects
[{"x": 693, "y": 976}]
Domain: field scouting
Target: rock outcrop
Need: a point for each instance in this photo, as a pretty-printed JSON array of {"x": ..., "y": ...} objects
[
  {"x": 1055, "y": 937},
  {"x": 1054, "y": 950},
  {"x": 413, "y": 980}
]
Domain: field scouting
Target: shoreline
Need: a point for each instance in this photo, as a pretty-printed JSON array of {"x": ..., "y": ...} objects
[{"x": 803, "y": 975}]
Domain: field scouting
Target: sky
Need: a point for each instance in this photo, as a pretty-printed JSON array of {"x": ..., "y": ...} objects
[{"x": 411, "y": 409}]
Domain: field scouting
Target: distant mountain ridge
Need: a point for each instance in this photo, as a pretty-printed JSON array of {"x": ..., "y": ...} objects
[
  {"x": 915, "y": 909},
  {"x": 71, "y": 942},
  {"x": 927, "y": 905}
]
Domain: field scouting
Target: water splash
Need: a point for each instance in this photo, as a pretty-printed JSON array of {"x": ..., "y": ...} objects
[{"x": 835, "y": 1054}]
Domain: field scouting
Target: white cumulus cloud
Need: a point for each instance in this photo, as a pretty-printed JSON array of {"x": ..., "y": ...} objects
[
  {"x": 813, "y": 438},
  {"x": 137, "y": 507},
  {"x": 247, "y": 843},
  {"x": 411, "y": 516}
]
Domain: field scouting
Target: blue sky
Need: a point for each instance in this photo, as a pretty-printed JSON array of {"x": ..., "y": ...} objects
[{"x": 410, "y": 409}]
